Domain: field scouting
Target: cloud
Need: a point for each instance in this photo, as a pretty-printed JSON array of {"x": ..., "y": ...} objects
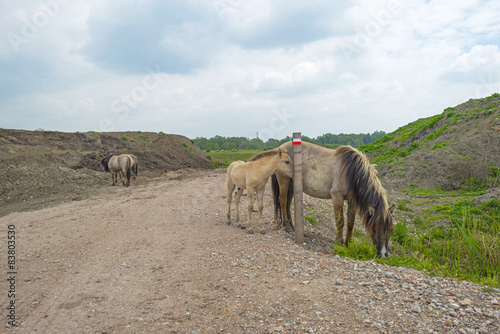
[
  {"x": 267, "y": 25},
  {"x": 176, "y": 35},
  {"x": 228, "y": 66},
  {"x": 483, "y": 57}
]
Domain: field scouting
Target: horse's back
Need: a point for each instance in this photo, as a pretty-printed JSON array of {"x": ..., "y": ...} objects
[
  {"x": 320, "y": 169},
  {"x": 236, "y": 172}
]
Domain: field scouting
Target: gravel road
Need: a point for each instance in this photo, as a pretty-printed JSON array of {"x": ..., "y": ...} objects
[{"x": 158, "y": 257}]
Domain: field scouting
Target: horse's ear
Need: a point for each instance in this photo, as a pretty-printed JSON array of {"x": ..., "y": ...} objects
[
  {"x": 391, "y": 209},
  {"x": 280, "y": 152}
]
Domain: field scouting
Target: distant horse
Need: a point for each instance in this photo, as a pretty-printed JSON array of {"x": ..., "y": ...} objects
[
  {"x": 134, "y": 165},
  {"x": 118, "y": 165},
  {"x": 253, "y": 177},
  {"x": 341, "y": 174}
]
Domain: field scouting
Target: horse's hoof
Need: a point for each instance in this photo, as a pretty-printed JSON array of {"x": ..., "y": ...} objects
[
  {"x": 242, "y": 227},
  {"x": 288, "y": 230},
  {"x": 250, "y": 232},
  {"x": 262, "y": 232},
  {"x": 229, "y": 223}
]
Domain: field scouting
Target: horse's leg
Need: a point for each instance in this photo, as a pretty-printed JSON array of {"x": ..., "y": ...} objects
[
  {"x": 289, "y": 203},
  {"x": 260, "y": 203},
  {"x": 230, "y": 188},
  {"x": 338, "y": 209},
  {"x": 237, "y": 204},
  {"x": 284, "y": 183},
  {"x": 113, "y": 175},
  {"x": 351, "y": 215},
  {"x": 121, "y": 177},
  {"x": 250, "y": 192}
]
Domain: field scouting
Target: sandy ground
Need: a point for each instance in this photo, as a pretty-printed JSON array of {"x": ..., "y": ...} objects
[{"x": 158, "y": 257}]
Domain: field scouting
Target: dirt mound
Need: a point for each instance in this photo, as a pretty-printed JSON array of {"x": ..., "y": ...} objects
[
  {"x": 444, "y": 150},
  {"x": 43, "y": 167}
]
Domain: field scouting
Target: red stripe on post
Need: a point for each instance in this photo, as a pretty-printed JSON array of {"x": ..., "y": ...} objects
[{"x": 297, "y": 141}]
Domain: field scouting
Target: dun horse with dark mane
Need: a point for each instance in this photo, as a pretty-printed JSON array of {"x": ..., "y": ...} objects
[
  {"x": 341, "y": 174},
  {"x": 119, "y": 165},
  {"x": 253, "y": 177}
]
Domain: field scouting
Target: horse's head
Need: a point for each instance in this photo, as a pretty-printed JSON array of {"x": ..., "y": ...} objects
[
  {"x": 104, "y": 162},
  {"x": 381, "y": 224},
  {"x": 285, "y": 164}
]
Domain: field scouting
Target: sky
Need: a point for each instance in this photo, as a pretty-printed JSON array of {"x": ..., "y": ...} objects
[{"x": 242, "y": 68}]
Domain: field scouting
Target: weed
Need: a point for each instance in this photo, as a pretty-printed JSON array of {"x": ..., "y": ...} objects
[
  {"x": 400, "y": 234},
  {"x": 311, "y": 220},
  {"x": 441, "y": 145},
  {"x": 360, "y": 249},
  {"x": 402, "y": 205}
]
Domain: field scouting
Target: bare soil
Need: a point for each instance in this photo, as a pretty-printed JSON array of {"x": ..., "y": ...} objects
[
  {"x": 158, "y": 256},
  {"x": 39, "y": 168}
]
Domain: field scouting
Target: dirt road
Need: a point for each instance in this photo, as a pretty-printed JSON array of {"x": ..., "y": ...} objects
[{"x": 159, "y": 258}]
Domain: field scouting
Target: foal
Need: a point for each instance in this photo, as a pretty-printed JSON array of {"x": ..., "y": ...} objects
[{"x": 253, "y": 177}]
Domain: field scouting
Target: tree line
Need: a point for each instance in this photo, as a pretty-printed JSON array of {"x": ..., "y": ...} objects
[{"x": 327, "y": 140}]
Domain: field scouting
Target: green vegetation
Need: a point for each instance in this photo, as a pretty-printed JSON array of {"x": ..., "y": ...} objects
[
  {"x": 241, "y": 143},
  {"x": 188, "y": 147},
  {"x": 440, "y": 145},
  {"x": 124, "y": 138},
  {"x": 225, "y": 158},
  {"x": 311, "y": 220},
  {"x": 457, "y": 240}
]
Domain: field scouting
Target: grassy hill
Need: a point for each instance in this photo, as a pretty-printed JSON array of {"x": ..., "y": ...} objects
[{"x": 457, "y": 149}]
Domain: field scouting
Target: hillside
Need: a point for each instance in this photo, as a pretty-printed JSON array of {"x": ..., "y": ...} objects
[
  {"x": 42, "y": 167},
  {"x": 452, "y": 150}
]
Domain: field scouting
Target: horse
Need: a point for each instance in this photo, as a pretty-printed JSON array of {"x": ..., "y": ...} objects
[
  {"x": 134, "y": 165},
  {"x": 253, "y": 177},
  {"x": 340, "y": 174},
  {"x": 118, "y": 165}
]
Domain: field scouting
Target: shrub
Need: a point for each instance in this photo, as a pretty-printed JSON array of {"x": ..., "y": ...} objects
[{"x": 125, "y": 138}]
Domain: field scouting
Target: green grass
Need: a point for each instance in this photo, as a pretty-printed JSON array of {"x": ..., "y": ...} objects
[
  {"x": 466, "y": 246},
  {"x": 440, "y": 145},
  {"x": 227, "y": 157}
]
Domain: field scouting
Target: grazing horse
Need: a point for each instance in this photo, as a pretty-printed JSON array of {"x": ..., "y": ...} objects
[
  {"x": 134, "y": 165},
  {"x": 118, "y": 165},
  {"x": 253, "y": 177},
  {"x": 341, "y": 174}
]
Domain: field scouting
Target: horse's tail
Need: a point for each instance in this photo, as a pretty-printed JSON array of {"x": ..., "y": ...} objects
[
  {"x": 278, "y": 218},
  {"x": 129, "y": 169}
]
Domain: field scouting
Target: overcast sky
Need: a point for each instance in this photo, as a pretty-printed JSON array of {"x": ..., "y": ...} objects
[{"x": 240, "y": 67}]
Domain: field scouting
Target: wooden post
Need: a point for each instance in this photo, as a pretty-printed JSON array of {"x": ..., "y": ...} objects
[{"x": 297, "y": 188}]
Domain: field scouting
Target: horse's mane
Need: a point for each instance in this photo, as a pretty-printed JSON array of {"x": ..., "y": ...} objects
[
  {"x": 364, "y": 188},
  {"x": 263, "y": 154}
]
